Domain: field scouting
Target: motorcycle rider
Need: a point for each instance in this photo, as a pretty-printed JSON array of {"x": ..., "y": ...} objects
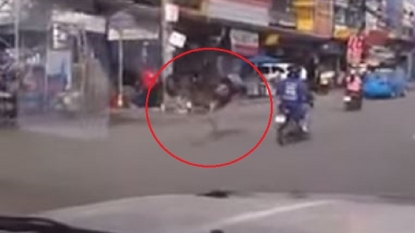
[
  {"x": 295, "y": 96},
  {"x": 353, "y": 82}
]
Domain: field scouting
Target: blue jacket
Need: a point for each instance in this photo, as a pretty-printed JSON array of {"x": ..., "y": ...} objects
[{"x": 292, "y": 91}]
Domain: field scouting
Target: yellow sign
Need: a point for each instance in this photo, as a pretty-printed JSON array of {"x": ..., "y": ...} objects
[
  {"x": 304, "y": 3},
  {"x": 272, "y": 39},
  {"x": 305, "y": 19},
  {"x": 344, "y": 33}
]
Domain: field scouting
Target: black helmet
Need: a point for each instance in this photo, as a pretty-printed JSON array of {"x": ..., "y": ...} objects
[{"x": 294, "y": 71}]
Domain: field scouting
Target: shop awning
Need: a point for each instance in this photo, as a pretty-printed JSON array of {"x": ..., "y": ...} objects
[{"x": 263, "y": 59}]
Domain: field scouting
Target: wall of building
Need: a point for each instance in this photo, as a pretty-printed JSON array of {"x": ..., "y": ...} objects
[
  {"x": 252, "y": 12},
  {"x": 349, "y": 17}
]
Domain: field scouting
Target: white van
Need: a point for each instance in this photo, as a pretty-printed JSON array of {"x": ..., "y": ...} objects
[{"x": 270, "y": 72}]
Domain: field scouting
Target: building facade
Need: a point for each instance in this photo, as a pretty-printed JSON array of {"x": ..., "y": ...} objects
[{"x": 349, "y": 17}]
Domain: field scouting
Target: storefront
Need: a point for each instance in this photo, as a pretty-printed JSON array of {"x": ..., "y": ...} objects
[
  {"x": 66, "y": 63},
  {"x": 224, "y": 26},
  {"x": 134, "y": 45}
]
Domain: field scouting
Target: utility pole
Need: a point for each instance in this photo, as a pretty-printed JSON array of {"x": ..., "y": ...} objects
[
  {"x": 167, "y": 51},
  {"x": 16, "y": 18}
]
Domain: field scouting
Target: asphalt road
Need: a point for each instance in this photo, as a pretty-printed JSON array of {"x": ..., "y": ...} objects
[{"x": 370, "y": 152}]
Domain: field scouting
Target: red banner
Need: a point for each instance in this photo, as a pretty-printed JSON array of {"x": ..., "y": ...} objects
[{"x": 355, "y": 49}]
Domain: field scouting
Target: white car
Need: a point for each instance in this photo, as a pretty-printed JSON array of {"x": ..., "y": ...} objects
[{"x": 271, "y": 72}]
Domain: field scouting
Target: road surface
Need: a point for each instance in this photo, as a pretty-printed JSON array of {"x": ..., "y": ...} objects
[{"x": 370, "y": 152}]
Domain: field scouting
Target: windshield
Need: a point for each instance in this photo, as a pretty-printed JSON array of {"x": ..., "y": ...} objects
[{"x": 125, "y": 116}]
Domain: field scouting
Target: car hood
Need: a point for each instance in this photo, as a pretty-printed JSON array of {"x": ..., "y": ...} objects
[{"x": 243, "y": 214}]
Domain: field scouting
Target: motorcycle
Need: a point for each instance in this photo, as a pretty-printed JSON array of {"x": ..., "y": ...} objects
[
  {"x": 289, "y": 129},
  {"x": 352, "y": 101},
  {"x": 325, "y": 82}
]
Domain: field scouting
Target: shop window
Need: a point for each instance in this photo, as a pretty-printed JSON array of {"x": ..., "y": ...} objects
[{"x": 340, "y": 14}]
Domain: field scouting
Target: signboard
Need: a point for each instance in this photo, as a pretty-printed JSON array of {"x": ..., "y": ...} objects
[
  {"x": 355, "y": 49},
  {"x": 132, "y": 34},
  {"x": 244, "y": 42},
  {"x": 177, "y": 39},
  {"x": 253, "y": 12},
  {"x": 343, "y": 32},
  {"x": 126, "y": 24},
  {"x": 272, "y": 39},
  {"x": 171, "y": 13},
  {"x": 89, "y": 22}
]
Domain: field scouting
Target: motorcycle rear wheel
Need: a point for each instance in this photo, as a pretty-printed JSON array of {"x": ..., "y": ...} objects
[{"x": 281, "y": 135}]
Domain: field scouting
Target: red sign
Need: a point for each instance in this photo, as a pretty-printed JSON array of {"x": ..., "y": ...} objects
[
  {"x": 355, "y": 49},
  {"x": 244, "y": 42}
]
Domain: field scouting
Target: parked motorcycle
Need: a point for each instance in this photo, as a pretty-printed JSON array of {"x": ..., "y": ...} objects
[
  {"x": 325, "y": 82},
  {"x": 352, "y": 101},
  {"x": 288, "y": 129}
]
